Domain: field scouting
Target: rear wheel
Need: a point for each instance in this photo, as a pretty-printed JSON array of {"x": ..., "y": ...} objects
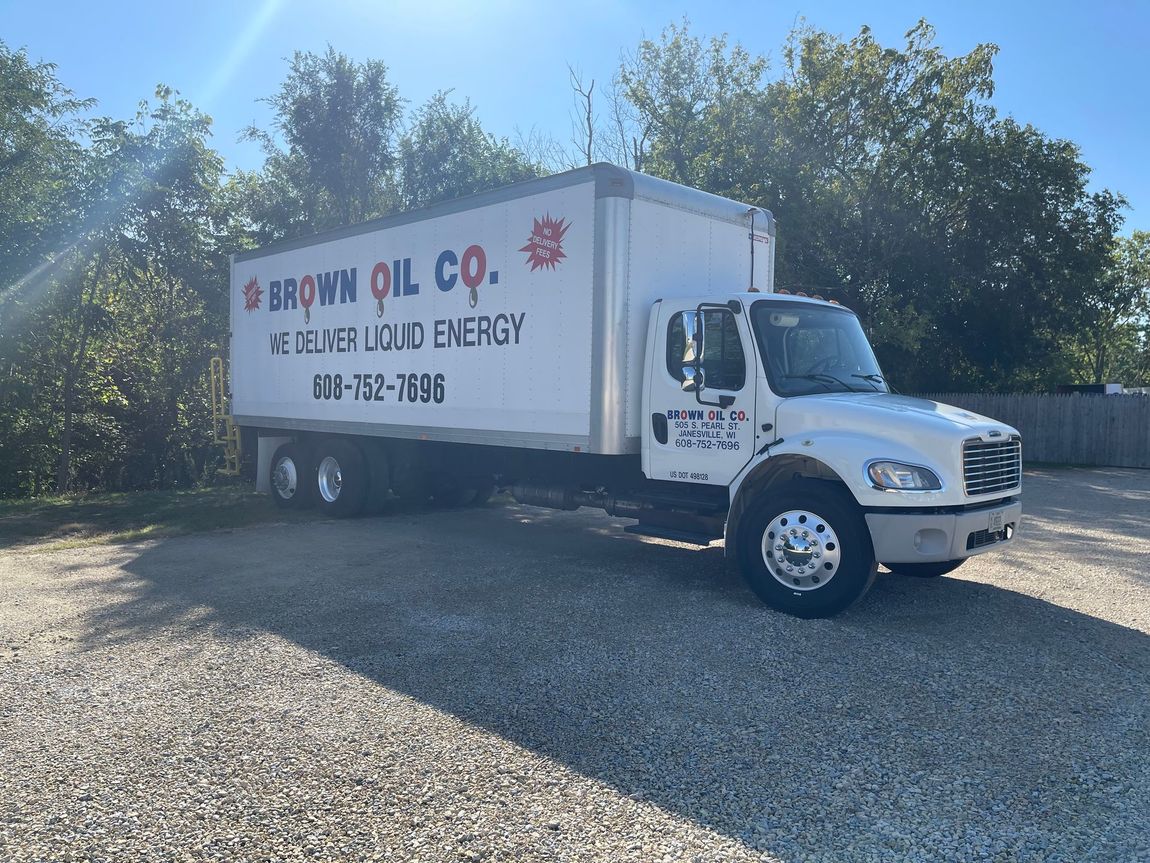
[
  {"x": 926, "y": 570},
  {"x": 805, "y": 549},
  {"x": 379, "y": 476},
  {"x": 291, "y": 474},
  {"x": 341, "y": 479}
]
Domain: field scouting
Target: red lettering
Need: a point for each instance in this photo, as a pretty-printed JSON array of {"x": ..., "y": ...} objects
[
  {"x": 306, "y": 291},
  {"x": 380, "y": 280},
  {"x": 473, "y": 266}
]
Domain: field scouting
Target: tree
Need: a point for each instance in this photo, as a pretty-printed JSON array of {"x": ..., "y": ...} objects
[
  {"x": 968, "y": 243},
  {"x": 38, "y": 155},
  {"x": 333, "y": 157},
  {"x": 447, "y": 154},
  {"x": 106, "y": 355},
  {"x": 695, "y": 109},
  {"x": 584, "y": 123},
  {"x": 1116, "y": 344},
  {"x": 39, "y": 214}
]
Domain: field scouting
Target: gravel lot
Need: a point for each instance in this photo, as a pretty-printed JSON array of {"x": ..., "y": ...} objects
[{"x": 512, "y": 684}]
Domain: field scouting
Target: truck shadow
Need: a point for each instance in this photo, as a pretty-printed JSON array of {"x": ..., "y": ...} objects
[{"x": 932, "y": 714}]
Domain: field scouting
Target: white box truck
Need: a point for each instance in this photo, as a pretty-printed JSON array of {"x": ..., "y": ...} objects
[{"x": 603, "y": 338}]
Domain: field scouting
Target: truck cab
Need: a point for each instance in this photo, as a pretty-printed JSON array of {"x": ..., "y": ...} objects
[{"x": 779, "y": 398}]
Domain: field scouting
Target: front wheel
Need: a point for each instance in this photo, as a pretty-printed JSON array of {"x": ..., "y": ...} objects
[
  {"x": 805, "y": 550},
  {"x": 926, "y": 570}
]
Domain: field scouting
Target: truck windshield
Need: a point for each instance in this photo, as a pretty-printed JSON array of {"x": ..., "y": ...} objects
[{"x": 808, "y": 348}]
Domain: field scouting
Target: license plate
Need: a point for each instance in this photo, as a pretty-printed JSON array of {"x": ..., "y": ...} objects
[{"x": 996, "y": 518}]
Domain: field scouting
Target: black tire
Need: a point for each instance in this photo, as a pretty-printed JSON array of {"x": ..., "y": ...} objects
[
  {"x": 836, "y": 541},
  {"x": 341, "y": 479},
  {"x": 926, "y": 570},
  {"x": 409, "y": 481},
  {"x": 379, "y": 474},
  {"x": 292, "y": 473}
]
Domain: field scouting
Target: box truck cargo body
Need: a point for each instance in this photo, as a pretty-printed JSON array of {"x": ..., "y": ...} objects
[
  {"x": 529, "y": 306},
  {"x": 604, "y": 338}
]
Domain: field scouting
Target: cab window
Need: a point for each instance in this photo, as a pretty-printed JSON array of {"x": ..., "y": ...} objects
[
  {"x": 723, "y": 363},
  {"x": 814, "y": 348}
]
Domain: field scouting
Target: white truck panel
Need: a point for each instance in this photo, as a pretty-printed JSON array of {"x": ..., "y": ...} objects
[
  {"x": 546, "y": 352},
  {"x": 679, "y": 252}
]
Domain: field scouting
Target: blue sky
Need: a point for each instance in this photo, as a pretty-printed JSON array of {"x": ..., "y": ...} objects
[{"x": 1074, "y": 70}]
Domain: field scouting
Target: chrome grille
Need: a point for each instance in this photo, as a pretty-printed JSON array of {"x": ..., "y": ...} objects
[{"x": 991, "y": 467}]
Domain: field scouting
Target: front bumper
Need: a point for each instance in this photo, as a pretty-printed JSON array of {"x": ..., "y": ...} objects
[{"x": 915, "y": 537}]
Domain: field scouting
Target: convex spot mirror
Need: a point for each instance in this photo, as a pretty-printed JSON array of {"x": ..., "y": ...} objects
[{"x": 693, "y": 377}]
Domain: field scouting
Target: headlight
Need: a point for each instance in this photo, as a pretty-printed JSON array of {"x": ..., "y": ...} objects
[{"x": 895, "y": 476}]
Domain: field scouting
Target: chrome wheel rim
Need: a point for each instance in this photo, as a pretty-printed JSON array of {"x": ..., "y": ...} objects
[
  {"x": 801, "y": 550},
  {"x": 285, "y": 478},
  {"x": 330, "y": 479}
]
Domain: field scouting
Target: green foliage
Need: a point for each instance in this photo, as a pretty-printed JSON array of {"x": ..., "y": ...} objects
[
  {"x": 105, "y": 345},
  {"x": 332, "y": 161},
  {"x": 447, "y": 154},
  {"x": 968, "y": 243},
  {"x": 39, "y": 155},
  {"x": 1114, "y": 342},
  {"x": 697, "y": 109}
]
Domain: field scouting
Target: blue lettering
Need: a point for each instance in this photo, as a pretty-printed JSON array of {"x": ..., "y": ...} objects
[
  {"x": 444, "y": 281},
  {"x": 275, "y": 296},
  {"x": 290, "y": 286},
  {"x": 347, "y": 286},
  {"x": 409, "y": 287},
  {"x": 326, "y": 283}
]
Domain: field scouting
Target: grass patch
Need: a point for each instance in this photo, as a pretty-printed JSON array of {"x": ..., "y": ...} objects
[{"x": 94, "y": 519}]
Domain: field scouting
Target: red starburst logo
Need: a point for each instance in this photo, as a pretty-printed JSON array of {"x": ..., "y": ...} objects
[
  {"x": 545, "y": 247},
  {"x": 253, "y": 293}
]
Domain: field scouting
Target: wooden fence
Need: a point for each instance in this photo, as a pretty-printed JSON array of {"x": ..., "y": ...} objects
[{"x": 1112, "y": 431}]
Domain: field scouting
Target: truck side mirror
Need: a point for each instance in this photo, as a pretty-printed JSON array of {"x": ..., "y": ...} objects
[
  {"x": 692, "y": 337},
  {"x": 693, "y": 378}
]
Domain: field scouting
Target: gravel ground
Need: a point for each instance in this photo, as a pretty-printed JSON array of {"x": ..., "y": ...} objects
[{"x": 512, "y": 684}]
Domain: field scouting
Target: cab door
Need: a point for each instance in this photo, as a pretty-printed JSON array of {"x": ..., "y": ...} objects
[{"x": 704, "y": 435}]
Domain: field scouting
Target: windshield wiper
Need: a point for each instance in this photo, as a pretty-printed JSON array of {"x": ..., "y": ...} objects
[
  {"x": 822, "y": 377},
  {"x": 876, "y": 378}
]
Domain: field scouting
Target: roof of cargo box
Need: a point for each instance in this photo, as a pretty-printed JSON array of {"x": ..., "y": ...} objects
[{"x": 610, "y": 181}]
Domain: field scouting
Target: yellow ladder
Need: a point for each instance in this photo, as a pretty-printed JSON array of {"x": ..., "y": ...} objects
[{"x": 225, "y": 432}]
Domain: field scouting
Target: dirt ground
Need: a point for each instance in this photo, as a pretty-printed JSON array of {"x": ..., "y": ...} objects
[{"x": 512, "y": 683}]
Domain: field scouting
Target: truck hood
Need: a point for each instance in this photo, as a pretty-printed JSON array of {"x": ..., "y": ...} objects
[{"x": 900, "y": 418}]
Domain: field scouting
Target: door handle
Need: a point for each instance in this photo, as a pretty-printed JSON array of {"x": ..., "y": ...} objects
[{"x": 659, "y": 427}]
